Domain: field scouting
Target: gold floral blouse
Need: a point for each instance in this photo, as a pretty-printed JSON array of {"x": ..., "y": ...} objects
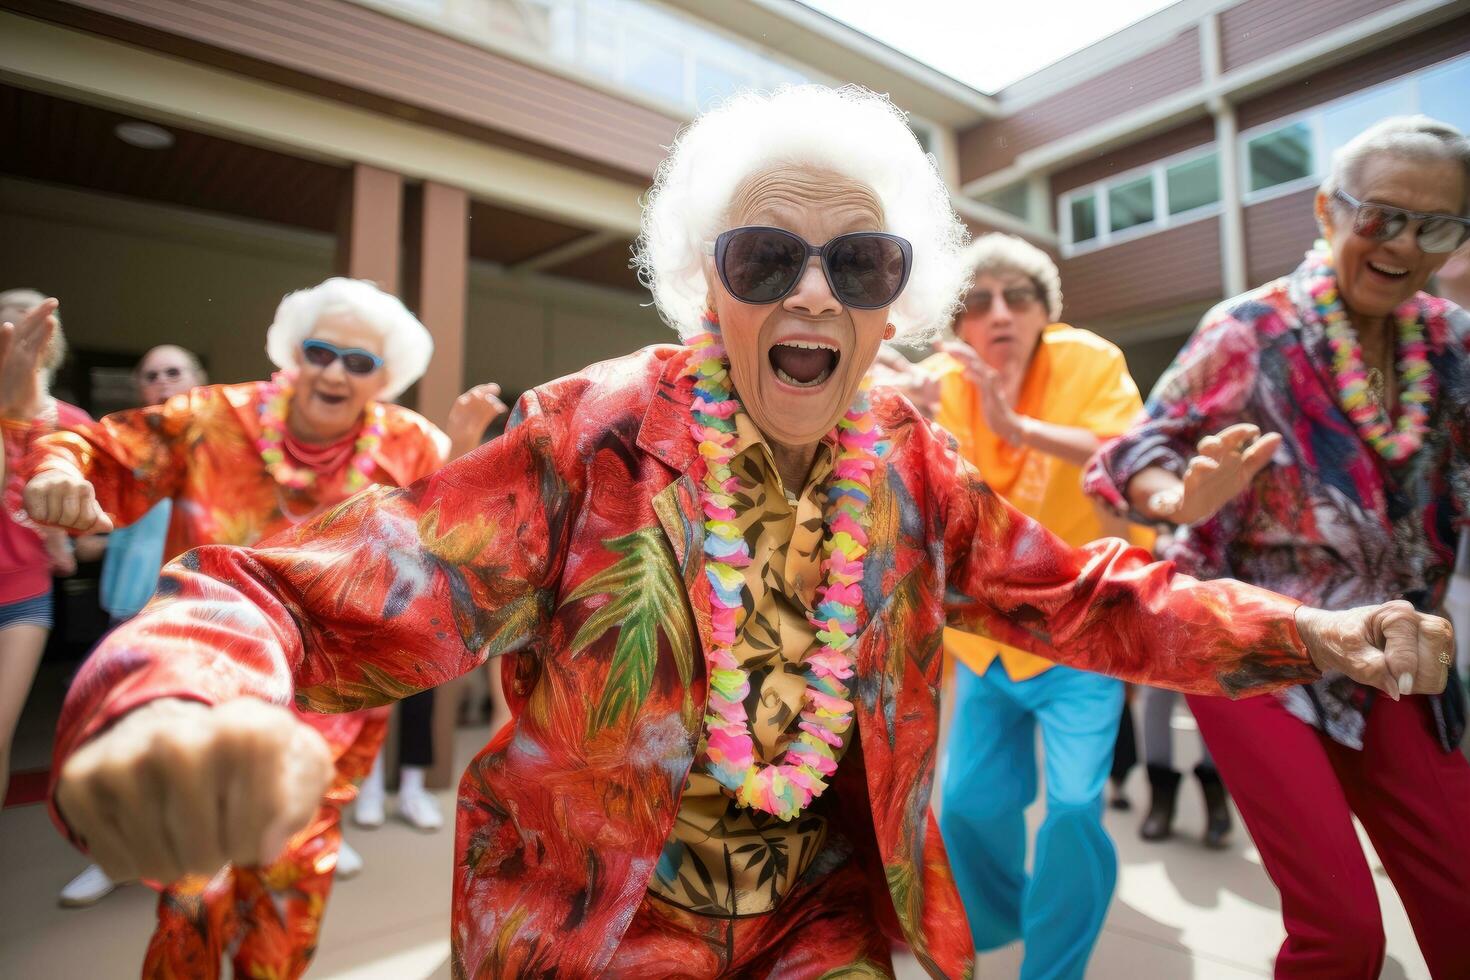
[{"x": 724, "y": 860}]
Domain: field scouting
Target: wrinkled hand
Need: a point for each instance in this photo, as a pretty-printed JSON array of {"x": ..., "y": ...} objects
[
  {"x": 1000, "y": 415},
  {"x": 472, "y": 414},
  {"x": 179, "y": 788},
  {"x": 919, "y": 386},
  {"x": 60, "y": 498},
  {"x": 1227, "y": 463},
  {"x": 1391, "y": 646},
  {"x": 22, "y": 346}
]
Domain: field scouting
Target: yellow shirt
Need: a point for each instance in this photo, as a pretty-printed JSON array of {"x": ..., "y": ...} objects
[{"x": 1075, "y": 378}]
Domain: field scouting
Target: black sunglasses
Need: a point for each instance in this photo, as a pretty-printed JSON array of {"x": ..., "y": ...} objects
[
  {"x": 865, "y": 269},
  {"x": 1436, "y": 233},
  {"x": 356, "y": 360},
  {"x": 169, "y": 373}
]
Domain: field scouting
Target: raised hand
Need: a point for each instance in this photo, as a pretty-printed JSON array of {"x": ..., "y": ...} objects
[
  {"x": 179, "y": 788},
  {"x": 1391, "y": 646},
  {"x": 61, "y": 498},
  {"x": 471, "y": 415},
  {"x": 1000, "y": 415},
  {"x": 1226, "y": 464},
  {"x": 896, "y": 371},
  {"x": 22, "y": 346}
]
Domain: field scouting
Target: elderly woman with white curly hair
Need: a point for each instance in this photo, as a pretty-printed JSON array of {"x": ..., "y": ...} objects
[
  {"x": 1354, "y": 494},
  {"x": 241, "y": 462},
  {"x": 720, "y": 571}
]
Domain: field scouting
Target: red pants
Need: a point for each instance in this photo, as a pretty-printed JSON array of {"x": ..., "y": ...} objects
[
  {"x": 824, "y": 927},
  {"x": 265, "y": 920},
  {"x": 1297, "y": 791}
]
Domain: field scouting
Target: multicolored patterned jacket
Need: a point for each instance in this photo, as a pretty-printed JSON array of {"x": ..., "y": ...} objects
[
  {"x": 1328, "y": 521},
  {"x": 572, "y": 546}
]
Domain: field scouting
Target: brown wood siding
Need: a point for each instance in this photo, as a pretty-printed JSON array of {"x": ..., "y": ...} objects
[
  {"x": 1170, "y": 68},
  {"x": 1200, "y": 132},
  {"x": 1277, "y": 233},
  {"x": 1256, "y": 29},
  {"x": 1430, "y": 47},
  {"x": 349, "y": 52},
  {"x": 1168, "y": 268}
]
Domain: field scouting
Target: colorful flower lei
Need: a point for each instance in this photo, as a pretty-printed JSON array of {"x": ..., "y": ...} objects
[
  {"x": 1394, "y": 442},
  {"x": 789, "y": 785},
  {"x": 275, "y": 402}
]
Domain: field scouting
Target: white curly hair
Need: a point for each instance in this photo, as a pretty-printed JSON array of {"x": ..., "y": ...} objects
[
  {"x": 850, "y": 131},
  {"x": 407, "y": 346}
]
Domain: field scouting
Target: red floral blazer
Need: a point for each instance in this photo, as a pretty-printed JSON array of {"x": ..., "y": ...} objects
[{"x": 572, "y": 546}]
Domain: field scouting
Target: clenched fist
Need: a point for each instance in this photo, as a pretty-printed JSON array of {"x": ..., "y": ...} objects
[
  {"x": 61, "y": 498},
  {"x": 179, "y": 788},
  {"x": 1390, "y": 646}
]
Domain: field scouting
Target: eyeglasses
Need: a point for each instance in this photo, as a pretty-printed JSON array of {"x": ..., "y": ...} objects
[
  {"x": 866, "y": 270},
  {"x": 1018, "y": 298},
  {"x": 163, "y": 374},
  {"x": 1436, "y": 233},
  {"x": 321, "y": 354}
]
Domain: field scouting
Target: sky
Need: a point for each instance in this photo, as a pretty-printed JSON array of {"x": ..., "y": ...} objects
[{"x": 988, "y": 44}]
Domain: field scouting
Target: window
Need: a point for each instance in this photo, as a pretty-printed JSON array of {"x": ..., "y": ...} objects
[
  {"x": 1084, "y": 218},
  {"x": 1193, "y": 184},
  {"x": 1346, "y": 119},
  {"x": 1131, "y": 204},
  {"x": 1280, "y": 156},
  {"x": 1013, "y": 200},
  {"x": 1443, "y": 94}
]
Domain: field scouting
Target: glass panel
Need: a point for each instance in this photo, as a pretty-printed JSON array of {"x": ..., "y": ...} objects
[
  {"x": 1275, "y": 158},
  {"x": 1194, "y": 184},
  {"x": 1084, "y": 218},
  {"x": 655, "y": 68},
  {"x": 1347, "y": 119},
  {"x": 1013, "y": 200},
  {"x": 1131, "y": 204},
  {"x": 714, "y": 81},
  {"x": 1444, "y": 94}
]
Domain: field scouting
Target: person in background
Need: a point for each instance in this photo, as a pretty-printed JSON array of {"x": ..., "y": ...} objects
[
  {"x": 1164, "y": 779},
  {"x": 135, "y": 554},
  {"x": 29, "y": 555},
  {"x": 1313, "y": 438},
  {"x": 239, "y": 462},
  {"x": 1029, "y": 399}
]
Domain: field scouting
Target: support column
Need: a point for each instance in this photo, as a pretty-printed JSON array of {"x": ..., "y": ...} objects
[
  {"x": 442, "y": 261},
  {"x": 1227, "y": 132},
  {"x": 368, "y": 228}
]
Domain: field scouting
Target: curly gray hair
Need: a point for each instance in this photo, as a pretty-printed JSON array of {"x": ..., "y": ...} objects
[{"x": 999, "y": 254}]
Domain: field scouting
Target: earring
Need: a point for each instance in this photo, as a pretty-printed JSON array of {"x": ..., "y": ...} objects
[{"x": 890, "y": 333}]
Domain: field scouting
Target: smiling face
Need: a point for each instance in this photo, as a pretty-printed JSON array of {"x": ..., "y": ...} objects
[
  {"x": 329, "y": 401},
  {"x": 1003, "y": 319},
  {"x": 1375, "y": 278},
  {"x": 797, "y": 363}
]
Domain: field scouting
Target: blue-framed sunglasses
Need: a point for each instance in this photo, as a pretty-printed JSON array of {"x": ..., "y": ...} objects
[
  {"x": 866, "y": 269},
  {"x": 319, "y": 353}
]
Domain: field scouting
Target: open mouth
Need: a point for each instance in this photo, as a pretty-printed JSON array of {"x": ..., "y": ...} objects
[
  {"x": 331, "y": 399},
  {"x": 1388, "y": 271},
  {"x": 804, "y": 363}
]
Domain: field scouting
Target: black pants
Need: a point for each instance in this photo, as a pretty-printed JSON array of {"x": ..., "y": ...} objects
[{"x": 416, "y": 730}]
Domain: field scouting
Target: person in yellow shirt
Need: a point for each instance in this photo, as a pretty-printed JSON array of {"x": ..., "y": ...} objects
[{"x": 1029, "y": 399}]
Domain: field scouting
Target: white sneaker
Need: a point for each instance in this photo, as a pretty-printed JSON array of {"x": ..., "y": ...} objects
[
  {"x": 87, "y": 888},
  {"x": 349, "y": 862},
  {"x": 420, "y": 810},
  {"x": 368, "y": 810}
]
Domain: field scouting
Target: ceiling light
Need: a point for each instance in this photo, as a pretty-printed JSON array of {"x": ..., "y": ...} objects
[{"x": 144, "y": 135}]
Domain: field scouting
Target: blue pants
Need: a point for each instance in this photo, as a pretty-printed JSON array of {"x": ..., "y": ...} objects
[{"x": 990, "y": 781}]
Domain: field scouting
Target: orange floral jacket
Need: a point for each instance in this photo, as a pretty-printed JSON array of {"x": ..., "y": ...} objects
[
  {"x": 199, "y": 448},
  {"x": 572, "y": 546}
]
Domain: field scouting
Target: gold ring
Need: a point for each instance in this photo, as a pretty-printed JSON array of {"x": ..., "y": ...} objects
[{"x": 1446, "y": 659}]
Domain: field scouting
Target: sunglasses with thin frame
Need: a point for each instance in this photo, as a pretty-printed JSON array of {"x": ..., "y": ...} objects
[
  {"x": 866, "y": 270},
  {"x": 1435, "y": 233},
  {"x": 320, "y": 353},
  {"x": 1018, "y": 299}
]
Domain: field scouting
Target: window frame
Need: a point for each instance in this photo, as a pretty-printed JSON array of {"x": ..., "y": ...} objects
[{"x": 1157, "y": 171}]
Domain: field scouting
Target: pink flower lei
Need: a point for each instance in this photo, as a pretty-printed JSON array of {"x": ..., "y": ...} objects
[
  {"x": 1394, "y": 442},
  {"x": 275, "y": 402},
  {"x": 789, "y": 785}
]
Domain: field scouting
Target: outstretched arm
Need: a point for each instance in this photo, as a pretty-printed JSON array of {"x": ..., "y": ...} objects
[{"x": 392, "y": 592}]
